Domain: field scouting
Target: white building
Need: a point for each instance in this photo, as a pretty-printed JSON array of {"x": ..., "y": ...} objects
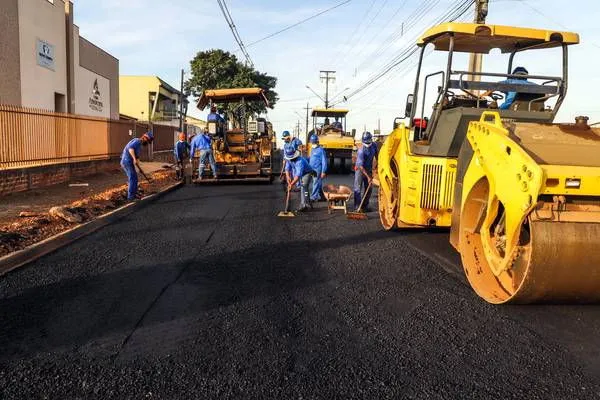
[{"x": 47, "y": 65}]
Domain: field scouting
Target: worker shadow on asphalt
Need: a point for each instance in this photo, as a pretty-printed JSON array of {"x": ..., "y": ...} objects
[{"x": 77, "y": 311}]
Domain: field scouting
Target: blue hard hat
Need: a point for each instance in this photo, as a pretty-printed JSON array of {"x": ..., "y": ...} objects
[
  {"x": 367, "y": 138},
  {"x": 314, "y": 139},
  {"x": 285, "y": 134},
  {"x": 520, "y": 71}
]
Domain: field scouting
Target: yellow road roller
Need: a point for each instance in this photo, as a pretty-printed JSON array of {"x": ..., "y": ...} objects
[
  {"x": 520, "y": 193},
  {"x": 330, "y": 125}
]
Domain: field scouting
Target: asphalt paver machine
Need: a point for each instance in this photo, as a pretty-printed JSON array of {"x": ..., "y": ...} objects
[
  {"x": 520, "y": 193},
  {"x": 242, "y": 146}
]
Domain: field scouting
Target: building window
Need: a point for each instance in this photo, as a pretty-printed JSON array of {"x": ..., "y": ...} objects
[{"x": 59, "y": 103}]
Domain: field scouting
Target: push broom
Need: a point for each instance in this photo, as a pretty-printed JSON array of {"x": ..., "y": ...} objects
[
  {"x": 360, "y": 214},
  {"x": 287, "y": 212}
]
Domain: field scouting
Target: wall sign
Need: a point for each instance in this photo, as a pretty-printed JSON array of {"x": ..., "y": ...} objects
[
  {"x": 45, "y": 54},
  {"x": 95, "y": 100}
]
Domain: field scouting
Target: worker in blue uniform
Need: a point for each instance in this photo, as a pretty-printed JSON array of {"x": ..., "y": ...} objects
[
  {"x": 288, "y": 143},
  {"x": 522, "y": 73},
  {"x": 214, "y": 116},
  {"x": 298, "y": 173},
  {"x": 203, "y": 142},
  {"x": 181, "y": 150},
  {"x": 130, "y": 159},
  {"x": 363, "y": 171},
  {"x": 318, "y": 162}
]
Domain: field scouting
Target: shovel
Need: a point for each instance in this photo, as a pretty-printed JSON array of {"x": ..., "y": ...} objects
[
  {"x": 144, "y": 175},
  {"x": 360, "y": 214},
  {"x": 286, "y": 213}
]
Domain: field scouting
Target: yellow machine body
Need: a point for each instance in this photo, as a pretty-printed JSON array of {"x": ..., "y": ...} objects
[
  {"x": 520, "y": 193},
  {"x": 337, "y": 142},
  {"x": 242, "y": 152},
  {"x": 422, "y": 188}
]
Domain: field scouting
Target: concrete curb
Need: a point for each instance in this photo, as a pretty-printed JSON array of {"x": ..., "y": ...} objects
[{"x": 31, "y": 253}]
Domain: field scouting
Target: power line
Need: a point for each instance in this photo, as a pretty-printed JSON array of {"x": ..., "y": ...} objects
[
  {"x": 299, "y": 23},
  {"x": 359, "y": 39},
  {"x": 400, "y": 72},
  {"x": 551, "y": 19},
  {"x": 410, "y": 22},
  {"x": 454, "y": 13},
  {"x": 236, "y": 35},
  {"x": 381, "y": 30},
  {"x": 351, "y": 37}
]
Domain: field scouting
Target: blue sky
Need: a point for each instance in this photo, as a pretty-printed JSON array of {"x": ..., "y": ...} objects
[{"x": 157, "y": 37}]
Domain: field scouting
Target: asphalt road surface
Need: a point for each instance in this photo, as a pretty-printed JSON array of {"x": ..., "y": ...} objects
[{"x": 207, "y": 294}]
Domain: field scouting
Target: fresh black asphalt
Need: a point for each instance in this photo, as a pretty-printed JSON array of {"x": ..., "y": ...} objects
[{"x": 206, "y": 294}]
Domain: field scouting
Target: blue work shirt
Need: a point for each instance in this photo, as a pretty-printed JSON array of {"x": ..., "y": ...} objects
[
  {"x": 338, "y": 125},
  {"x": 200, "y": 142},
  {"x": 136, "y": 145},
  {"x": 295, "y": 143},
  {"x": 318, "y": 160},
  {"x": 181, "y": 149},
  {"x": 212, "y": 117},
  {"x": 298, "y": 167},
  {"x": 365, "y": 157},
  {"x": 510, "y": 96}
]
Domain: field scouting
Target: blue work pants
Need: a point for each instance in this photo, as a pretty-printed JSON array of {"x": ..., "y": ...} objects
[
  {"x": 303, "y": 184},
  {"x": 361, "y": 181},
  {"x": 204, "y": 154},
  {"x": 317, "y": 187},
  {"x": 132, "y": 180}
]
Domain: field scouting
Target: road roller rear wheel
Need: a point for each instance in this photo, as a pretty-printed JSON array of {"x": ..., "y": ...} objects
[
  {"x": 554, "y": 261},
  {"x": 388, "y": 205}
]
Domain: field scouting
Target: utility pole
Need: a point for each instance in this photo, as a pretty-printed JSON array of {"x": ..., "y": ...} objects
[
  {"x": 325, "y": 76},
  {"x": 181, "y": 104},
  {"x": 306, "y": 134},
  {"x": 476, "y": 60}
]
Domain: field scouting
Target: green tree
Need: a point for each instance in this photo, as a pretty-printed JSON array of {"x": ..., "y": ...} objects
[{"x": 218, "y": 69}]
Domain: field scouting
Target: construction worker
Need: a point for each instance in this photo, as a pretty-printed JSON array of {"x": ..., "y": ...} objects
[
  {"x": 203, "y": 142},
  {"x": 337, "y": 125},
  {"x": 288, "y": 142},
  {"x": 510, "y": 96},
  {"x": 181, "y": 150},
  {"x": 298, "y": 173},
  {"x": 318, "y": 162},
  {"x": 130, "y": 159},
  {"x": 363, "y": 171},
  {"x": 214, "y": 116}
]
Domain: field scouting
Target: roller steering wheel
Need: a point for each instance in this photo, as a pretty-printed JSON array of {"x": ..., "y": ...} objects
[{"x": 496, "y": 96}]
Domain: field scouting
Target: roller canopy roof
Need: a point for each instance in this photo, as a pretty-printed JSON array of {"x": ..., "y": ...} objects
[
  {"x": 477, "y": 38},
  {"x": 231, "y": 96},
  {"x": 329, "y": 112}
]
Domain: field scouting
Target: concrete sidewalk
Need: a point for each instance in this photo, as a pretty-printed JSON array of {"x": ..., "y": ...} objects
[{"x": 41, "y": 200}]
